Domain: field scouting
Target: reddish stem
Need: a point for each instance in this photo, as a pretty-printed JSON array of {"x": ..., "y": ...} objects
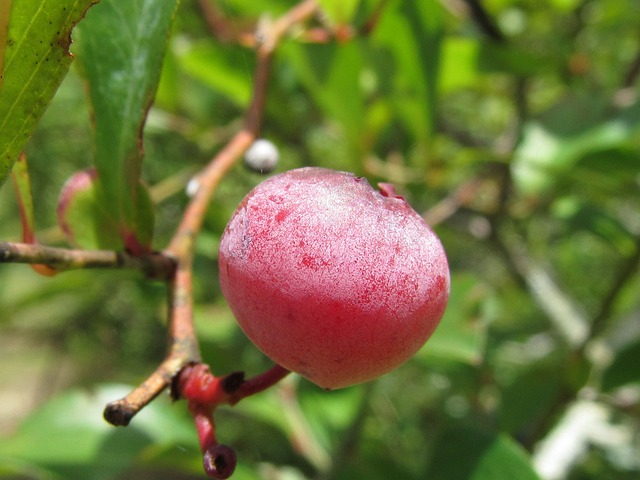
[
  {"x": 199, "y": 386},
  {"x": 203, "y": 419},
  {"x": 259, "y": 383}
]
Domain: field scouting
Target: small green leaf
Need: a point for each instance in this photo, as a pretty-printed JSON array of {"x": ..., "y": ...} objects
[
  {"x": 121, "y": 46},
  {"x": 471, "y": 454},
  {"x": 36, "y": 59}
]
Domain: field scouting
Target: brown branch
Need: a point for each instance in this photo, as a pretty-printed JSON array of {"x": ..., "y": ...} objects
[
  {"x": 220, "y": 28},
  {"x": 484, "y": 21},
  {"x": 627, "y": 268},
  {"x": 183, "y": 344},
  {"x": 155, "y": 265},
  {"x": 373, "y": 21}
]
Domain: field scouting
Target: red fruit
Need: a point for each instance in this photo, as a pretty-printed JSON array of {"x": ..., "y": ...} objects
[{"x": 330, "y": 278}]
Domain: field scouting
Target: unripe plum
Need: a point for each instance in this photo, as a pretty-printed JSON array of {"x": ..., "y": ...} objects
[{"x": 330, "y": 278}]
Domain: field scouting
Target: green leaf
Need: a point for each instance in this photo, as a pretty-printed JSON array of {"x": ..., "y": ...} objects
[
  {"x": 332, "y": 75},
  {"x": 68, "y": 437},
  {"x": 595, "y": 219},
  {"x": 339, "y": 12},
  {"x": 553, "y": 144},
  {"x": 414, "y": 36},
  {"x": 121, "y": 46},
  {"x": 459, "y": 67},
  {"x": 461, "y": 334},
  {"x": 471, "y": 454},
  {"x": 217, "y": 67},
  {"x": 511, "y": 59},
  {"x": 36, "y": 59},
  {"x": 530, "y": 396},
  {"x": 5, "y": 12},
  {"x": 625, "y": 368}
]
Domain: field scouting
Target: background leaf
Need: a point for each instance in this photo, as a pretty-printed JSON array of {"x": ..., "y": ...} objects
[
  {"x": 470, "y": 454},
  {"x": 75, "y": 442}
]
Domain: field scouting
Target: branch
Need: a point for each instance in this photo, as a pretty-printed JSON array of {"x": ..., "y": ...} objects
[
  {"x": 155, "y": 265},
  {"x": 484, "y": 21},
  {"x": 183, "y": 344},
  {"x": 565, "y": 314},
  {"x": 626, "y": 270}
]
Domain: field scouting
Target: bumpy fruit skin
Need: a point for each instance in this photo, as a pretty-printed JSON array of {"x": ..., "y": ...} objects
[{"x": 330, "y": 278}]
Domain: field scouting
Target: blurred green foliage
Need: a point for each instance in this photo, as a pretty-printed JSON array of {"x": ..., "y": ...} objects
[{"x": 517, "y": 134}]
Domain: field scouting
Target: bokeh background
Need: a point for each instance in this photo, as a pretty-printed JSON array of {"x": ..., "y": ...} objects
[{"x": 513, "y": 126}]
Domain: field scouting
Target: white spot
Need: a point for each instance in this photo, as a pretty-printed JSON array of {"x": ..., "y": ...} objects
[
  {"x": 192, "y": 187},
  {"x": 262, "y": 156}
]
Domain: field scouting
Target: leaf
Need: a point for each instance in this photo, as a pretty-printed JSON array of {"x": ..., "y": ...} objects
[
  {"x": 414, "y": 35},
  {"x": 459, "y": 67},
  {"x": 554, "y": 143},
  {"x": 217, "y": 67},
  {"x": 22, "y": 187},
  {"x": 121, "y": 46},
  {"x": 507, "y": 58},
  {"x": 339, "y": 12},
  {"x": 86, "y": 224},
  {"x": 36, "y": 59},
  {"x": 593, "y": 218},
  {"x": 332, "y": 74},
  {"x": 69, "y": 438},
  {"x": 530, "y": 397},
  {"x": 461, "y": 334},
  {"x": 5, "y": 11},
  {"x": 625, "y": 368},
  {"x": 471, "y": 454}
]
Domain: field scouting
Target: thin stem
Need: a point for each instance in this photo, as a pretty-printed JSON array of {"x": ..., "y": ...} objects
[
  {"x": 155, "y": 265},
  {"x": 205, "y": 425},
  {"x": 626, "y": 270},
  {"x": 198, "y": 385},
  {"x": 120, "y": 412},
  {"x": 259, "y": 383},
  {"x": 484, "y": 21}
]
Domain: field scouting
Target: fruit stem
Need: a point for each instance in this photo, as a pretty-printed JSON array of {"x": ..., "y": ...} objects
[
  {"x": 258, "y": 383},
  {"x": 199, "y": 386}
]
